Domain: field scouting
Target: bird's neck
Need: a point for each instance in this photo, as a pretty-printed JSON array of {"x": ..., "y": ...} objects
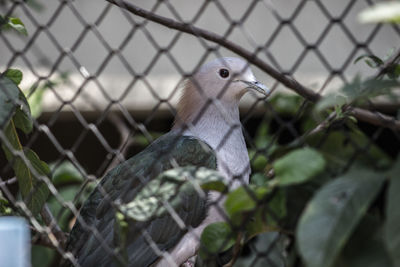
[
  {"x": 209, "y": 120},
  {"x": 217, "y": 124}
]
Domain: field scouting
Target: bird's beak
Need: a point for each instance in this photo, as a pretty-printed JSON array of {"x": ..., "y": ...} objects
[{"x": 259, "y": 87}]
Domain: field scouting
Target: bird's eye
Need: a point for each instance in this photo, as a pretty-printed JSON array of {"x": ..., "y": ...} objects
[{"x": 224, "y": 73}]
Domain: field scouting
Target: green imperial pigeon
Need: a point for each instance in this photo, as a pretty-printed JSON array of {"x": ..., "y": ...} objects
[{"x": 206, "y": 133}]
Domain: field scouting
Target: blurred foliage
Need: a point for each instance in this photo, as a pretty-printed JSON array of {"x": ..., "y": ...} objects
[
  {"x": 387, "y": 11},
  {"x": 10, "y": 23},
  {"x": 303, "y": 192}
]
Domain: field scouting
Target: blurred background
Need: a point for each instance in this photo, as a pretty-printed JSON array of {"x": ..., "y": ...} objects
[{"x": 101, "y": 58}]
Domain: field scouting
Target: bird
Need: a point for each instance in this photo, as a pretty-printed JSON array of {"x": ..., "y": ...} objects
[{"x": 206, "y": 132}]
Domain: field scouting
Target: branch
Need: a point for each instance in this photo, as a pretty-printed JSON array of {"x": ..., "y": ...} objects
[
  {"x": 52, "y": 224},
  {"x": 215, "y": 38},
  {"x": 236, "y": 250},
  {"x": 388, "y": 64},
  {"x": 374, "y": 118}
]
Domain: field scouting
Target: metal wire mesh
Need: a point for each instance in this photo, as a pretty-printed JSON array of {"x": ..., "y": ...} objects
[{"x": 100, "y": 108}]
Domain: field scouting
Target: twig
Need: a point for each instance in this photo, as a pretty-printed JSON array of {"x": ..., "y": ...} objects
[
  {"x": 322, "y": 126},
  {"x": 41, "y": 239},
  {"x": 374, "y": 118},
  {"x": 388, "y": 64},
  {"x": 236, "y": 250},
  {"x": 49, "y": 220}
]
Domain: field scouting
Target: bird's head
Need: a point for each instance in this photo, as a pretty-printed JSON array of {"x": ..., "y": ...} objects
[{"x": 226, "y": 79}]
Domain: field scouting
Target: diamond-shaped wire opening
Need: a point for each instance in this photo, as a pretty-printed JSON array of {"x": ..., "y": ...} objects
[
  {"x": 337, "y": 54},
  {"x": 140, "y": 52},
  {"x": 260, "y": 15},
  {"x": 89, "y": 52},
  {"x": 115, "y": 28},
  {"x": 210, "y": 16},
  {"x": 306, "y": 24},
  {"x": 361, "y": 32},
  {"x": 311, "y": 71},
  {"x": 382, "y": 41},
  {"x": 286, "y": 43},
  {"x": 336, "y": 10}
]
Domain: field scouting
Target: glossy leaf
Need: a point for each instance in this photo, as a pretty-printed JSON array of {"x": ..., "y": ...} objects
[
  {"x": 13, "y": 104},
  {"x": 339, "y": 146},
  {"x": 216, "y": 238},
  {"x": 365, "y": 248},
  {"x": 356, "y": 90},
  {"x": 22, "y": 117},
  {"x": 13, "y": 23},
  {"x": 298, "y": 166},
  {"x": 65, "y": 173},
  {"x": 240, "y": 200},
  {"x": 167, "y": 187},
  {"x": 14, "y": 75},
  {"x": 371, "y": 60},
  {"x": 9, "y": 95},
  {"x": 332, "y": 215},
  {"x": 33, "y": 190},
  {"x": 267, "y": 216}
]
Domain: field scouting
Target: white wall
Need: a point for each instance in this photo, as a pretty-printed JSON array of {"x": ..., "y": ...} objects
[{"x": 90, "y": 53}]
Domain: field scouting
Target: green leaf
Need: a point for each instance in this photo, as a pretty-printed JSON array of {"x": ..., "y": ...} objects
[
  {"x": 371, "y": 60},
  {"x": 365, "y": 248},
  {"x": 65, "y": 173},
  {"x": 268, "y": 216},
  {"x": 167, "y": 187},
  {"x": 339, "y": 146},
  {"x": 356, "y": 90},
  {"x": 14, "y": 75},
  {"x": 13, "y": 101},
  {"x": 42, "y": 256},
  {"x": 9, "y": 95},
  {"x": 35, "y": 101},
  {"x": 39, "y": 192},
  {"x": 394, "y": 71},
  {"x": 22, "y": 116},
  {"x": 258, "y": 179},
  {"x": 5, "y": 208},
  {"x": 331, "y": 100},
  {"x": 37, "y": 6},
  {"x": 332, "y": 215},
  {"x": 216, "y": 238},
  {"x": 298, "y": 166},
  {"x": 392, "y": 224},
  {"x": 15, "y": 24},
  {"x": 287, "y": 104},
  {"x": 382, "y": 12},
  {"x": 34, "y": 191},
  {"x": 240, "y": 200}
]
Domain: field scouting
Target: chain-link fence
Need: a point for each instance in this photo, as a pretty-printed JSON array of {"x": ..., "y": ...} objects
[{"x": 102, "y": 80}]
